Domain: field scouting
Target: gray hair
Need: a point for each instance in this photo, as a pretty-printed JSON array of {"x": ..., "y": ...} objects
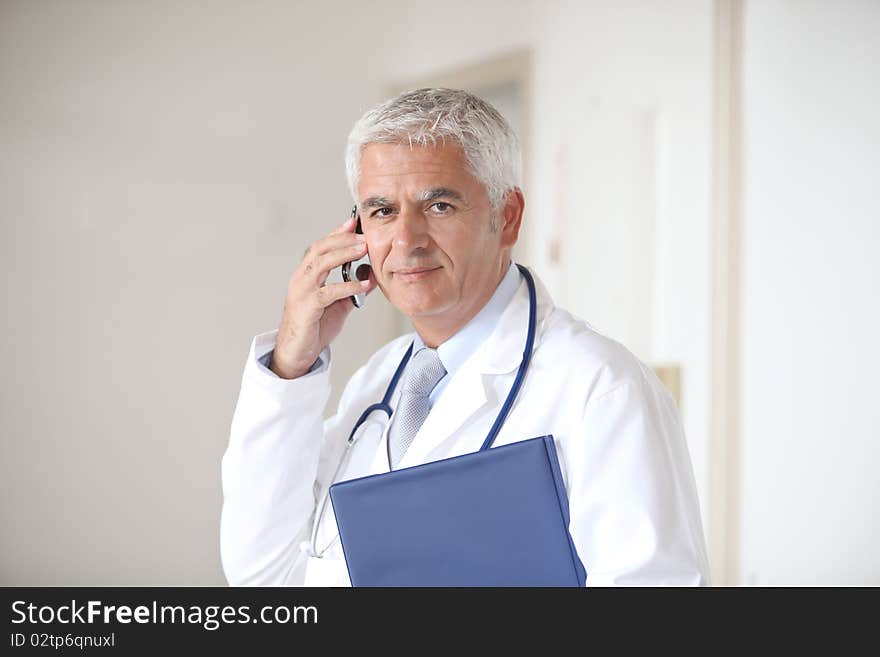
[{"x": 491, "y": 148}]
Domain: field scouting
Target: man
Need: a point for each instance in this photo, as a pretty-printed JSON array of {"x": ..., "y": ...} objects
[{"x": 436, "y": 175}]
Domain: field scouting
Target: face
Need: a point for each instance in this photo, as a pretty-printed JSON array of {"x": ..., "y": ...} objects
[{"x": 428, "y": 223}]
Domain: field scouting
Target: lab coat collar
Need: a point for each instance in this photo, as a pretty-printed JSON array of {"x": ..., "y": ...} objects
[
  {"x": 503, "y": 351},
  {"x": 456, "y": 350},
  {"x": 472, "y": 386}
]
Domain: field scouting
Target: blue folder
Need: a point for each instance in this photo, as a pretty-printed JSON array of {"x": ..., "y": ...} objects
[{"x": 495, "y": 517}]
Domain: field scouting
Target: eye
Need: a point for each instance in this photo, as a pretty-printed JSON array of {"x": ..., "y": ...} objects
[
  {"x": 442, "y": 207},
  {"x": 382, "y": 212}
]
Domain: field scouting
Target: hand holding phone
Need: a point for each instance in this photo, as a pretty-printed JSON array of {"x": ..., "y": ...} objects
[
  {"x": 357, "y": 269},
  {"x": 314, "y": 309}
]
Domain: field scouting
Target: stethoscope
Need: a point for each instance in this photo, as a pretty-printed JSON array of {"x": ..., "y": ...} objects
[{"x": 385, "y": 407}]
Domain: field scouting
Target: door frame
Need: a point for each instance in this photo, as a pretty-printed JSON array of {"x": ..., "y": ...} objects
[{"x": 725, "y": 412}]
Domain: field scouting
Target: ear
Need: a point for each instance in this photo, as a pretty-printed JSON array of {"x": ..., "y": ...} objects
[{"x": 510, "y": 219}]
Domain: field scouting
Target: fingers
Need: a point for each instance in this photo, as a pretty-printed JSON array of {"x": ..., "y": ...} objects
[
  {"x": 346, "y": 226},
  {"x": 334, "y": 241},
  {"x": 318, "y": 267},
  {"x": 336, "y": 291},
  {"x": 342, "y": 237},
  {"x": 340, "y": 246}
]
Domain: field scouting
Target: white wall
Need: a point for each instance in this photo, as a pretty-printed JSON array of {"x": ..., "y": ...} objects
[
  {"x": 622, "y": 177},
  {"x": 811, "y": 312}
]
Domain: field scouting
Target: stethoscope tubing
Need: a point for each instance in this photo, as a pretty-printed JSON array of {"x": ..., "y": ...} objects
[{"x": 385, "y": 407}]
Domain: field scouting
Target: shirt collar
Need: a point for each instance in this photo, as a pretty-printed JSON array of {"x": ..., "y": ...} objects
[{"x": 456, "y": 349}]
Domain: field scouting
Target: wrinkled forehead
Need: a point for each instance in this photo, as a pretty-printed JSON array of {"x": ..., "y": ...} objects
[{"x": 416, "y": 171}]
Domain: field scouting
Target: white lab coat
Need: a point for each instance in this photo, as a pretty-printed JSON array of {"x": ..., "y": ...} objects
[{"x": 635, "y": 517}]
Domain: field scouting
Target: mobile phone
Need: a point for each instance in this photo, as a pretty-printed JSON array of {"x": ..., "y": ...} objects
[{"x": 357, "y": 269}]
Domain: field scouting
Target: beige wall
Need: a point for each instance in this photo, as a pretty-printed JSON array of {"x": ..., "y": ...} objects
[
  {"x": 164, "y": 165},
  {"x": 622, "y": 164}
]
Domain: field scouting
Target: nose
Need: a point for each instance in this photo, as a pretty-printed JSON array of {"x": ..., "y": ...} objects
[{"x": 410, "y": 230}]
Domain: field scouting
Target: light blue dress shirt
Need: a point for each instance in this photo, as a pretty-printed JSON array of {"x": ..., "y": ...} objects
[{"x": 456, "y": 350}]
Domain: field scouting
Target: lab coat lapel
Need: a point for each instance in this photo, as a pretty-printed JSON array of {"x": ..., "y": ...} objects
[
  {"x": 463, "y": 396},
  {"x": 472, "y": 387}
]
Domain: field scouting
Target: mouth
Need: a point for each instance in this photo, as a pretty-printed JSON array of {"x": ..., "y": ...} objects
[{"x": 415, "y": 273}]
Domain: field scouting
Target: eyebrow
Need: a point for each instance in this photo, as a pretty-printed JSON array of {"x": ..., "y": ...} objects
[
  {"x": 428, "y": 195},
  {"x": 441, "y": 192},
  {"x": 376, "y": 202}
]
